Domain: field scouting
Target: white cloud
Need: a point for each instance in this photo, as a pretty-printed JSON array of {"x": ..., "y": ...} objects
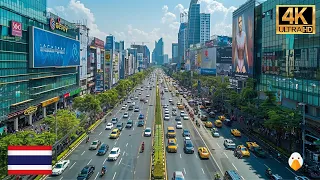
[
  {"x": 168, "y": 17},
  {"x": 181, "y": 8},
  {"x": 165, "y": 8},
  {"x": 174, "y": 25}
]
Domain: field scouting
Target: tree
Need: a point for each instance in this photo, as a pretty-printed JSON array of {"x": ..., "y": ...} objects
[
  {"x": 108, "y": 98},
  {"x": 67, "y": 123},
  {"x": 89, "y": 105}
]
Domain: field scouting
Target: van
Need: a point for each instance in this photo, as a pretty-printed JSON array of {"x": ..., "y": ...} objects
[
  {"x": 171, "y": 133},
  {"x": 231, "y": 175}
]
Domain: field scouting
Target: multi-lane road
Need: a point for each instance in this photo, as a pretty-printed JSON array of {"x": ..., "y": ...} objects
[{"x": 131, "y": 164}]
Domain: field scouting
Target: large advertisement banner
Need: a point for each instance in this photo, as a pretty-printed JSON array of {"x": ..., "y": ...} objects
[
  {"x": 110, "y": 43},
  {"x": 243, "y": 40},
  {"x": 224, "y": 55},
  {"x": 98, "y": 59},
  {"x": 48, "y": 49},
  {"x": 99, "y": 82},
  {"x": 107, "y": 57},
  {"x": 208, "y": 61}
]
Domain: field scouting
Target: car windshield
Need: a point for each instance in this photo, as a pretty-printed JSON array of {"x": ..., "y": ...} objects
[
  {"x": 189, "y": 144},
  {"x": 244, "y": 149},
  {"x": 148, "y": 130},
  {"x": 84, "y": 171},
  {"x": 114, "y": 119},
  {"x": 204, "y": 151},
  {"x": 113, "y": 152},
  {"x": 94, "y": 142},
  {"x": 129, "y": 122},
  {"x": 114, "y": 132},
  {"x": 109, "y": 124},
  {"x": 178, "y": 123},
  {"x": 119, "y": 125},
  {"x": 172, "y": 143},
  {"x": 171, "y": 131},
  {"x": 58, "y": 166}
]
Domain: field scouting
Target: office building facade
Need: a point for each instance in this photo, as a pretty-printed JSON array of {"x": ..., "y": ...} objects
[
  {"x": 175, "y": 53},
  {"x": 84, "y": 41},
  {"x": 165, "y": 58},
  {"x": 157, "y": 53},
  {"x": 182, "y": 44},
  {"x": 204, "y": 27},
  {"x": 146, "y": 54},
  {"x": 193, "y": 23}
]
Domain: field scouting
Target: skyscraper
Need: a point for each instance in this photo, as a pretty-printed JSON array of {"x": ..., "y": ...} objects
[
  {"x": 175, "y": 54},
  {"x": 165, "y": 58},
  {"x": 157, "y": 53},
  {"x": 193, "y": 23},
  {"x": 182, "y": 44},
  {"x": 204, "y": 27}
]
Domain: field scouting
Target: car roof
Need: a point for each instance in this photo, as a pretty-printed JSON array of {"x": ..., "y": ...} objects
[
  {"x": 186, "y": 130},
  {"x": 178, "y": 174},
  {"x": 171, "y": 128},
  {"x": 172, "y": 140},
  {"x": 115, "y": 149},
  {"x": 148, "y": 128},
  {"x": 114, "y": 130}
]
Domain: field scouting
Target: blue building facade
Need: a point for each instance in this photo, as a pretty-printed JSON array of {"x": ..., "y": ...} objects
[
  {"x": 193, "y": 23},
  {"x": 182, "y": 45},
  {"x": 157, "y": 53}
]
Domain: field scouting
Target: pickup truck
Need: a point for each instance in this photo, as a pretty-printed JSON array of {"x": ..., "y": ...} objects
[{"x": 256, "y": 149}]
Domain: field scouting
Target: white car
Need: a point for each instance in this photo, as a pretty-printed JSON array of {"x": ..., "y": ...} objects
[
  {"x": 147, "y": 132},
  {"x": 229, "y": 144},
  {"x": 166, "y": 111},
  {"x": 124, "y": 107},
  {"x": 179, "y": 125},
  {"x": 136, "y": 98},
  {"x": 60, "y": 167},
  {"x": 166, "y": 117},
  {"x": 147, "y": 95},
  {"x": 301, "y": 178},
  {"x": 126, "y": 115},
  {"x": 170, "y": 100},
  {"x": 114, "y": 154},
  {"x": 185, "y": 117},
  {"x": 139, "y": 93},
  {"x": 182, "y": 113},
  {"x": 186, "y": 138},
  {"x": 95, "y": 145},
  {"x": 134, "y": 103},
  {"x": 109, "y": 126},
  {"x": 165, "y": 106}
]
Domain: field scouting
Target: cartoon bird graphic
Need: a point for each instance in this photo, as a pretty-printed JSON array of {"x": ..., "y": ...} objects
[{"x": 295, "y": 161}]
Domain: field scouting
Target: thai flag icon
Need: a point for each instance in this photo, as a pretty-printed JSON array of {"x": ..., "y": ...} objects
[{"x": 29, "y": 160}]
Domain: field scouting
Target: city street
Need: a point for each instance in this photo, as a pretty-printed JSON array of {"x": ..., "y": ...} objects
[{"x": 131, "y": 164}]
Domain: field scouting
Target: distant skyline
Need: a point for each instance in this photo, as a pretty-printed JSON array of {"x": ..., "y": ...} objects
[{"x": 142, "y": 20}]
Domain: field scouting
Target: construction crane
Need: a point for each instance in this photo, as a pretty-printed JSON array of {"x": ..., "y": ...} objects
[{"x": 134, "y": 43}]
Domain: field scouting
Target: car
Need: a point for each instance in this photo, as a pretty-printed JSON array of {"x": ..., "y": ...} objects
[
  {"x": 166, "y": 111},
  {"x": 136, "y": 98},
  {"x": 275, "y": 177},
  {"x": 86, "y": 172},
  {"x": 182, "y": 114},
  {"x": 147, "y": 132},
  {"x": 130, "y": 108},
  {"x": 177, "y": 118},
  {"x": 120, "y": 126},
  {"x": 242, "y": 151},
  {"x": 256, "y": 149},
  {"x": 147, "y": 95},
  {"x": 186, "y": 138},
  {"x": 221, "y": 118},
  {"x": 186, "y": 117},
  {"x": 124, "y": 107},
  {"x": 170, "y": 100},
  {"x": 218, "y": 123},
  {"x": 126, "y": 115},
  {"x": 134, "y": 103},
  {"x": 188, "y": 147},
  {"x": 114, "y": 154},
  {"x": 141, "y": 116},
  {"x": 142, "y": 99},
  {"x": 139, "y": 93},
  {"x": 103, "y": 149},
  {"x": 212, "y": 114},
  {"x": 185, "y": 133},
  {"x": 235, "y": 132},
  {"x": 94, "y": 145},
  {"x": 165, "y": 106},
  {"x": 140, "y": 123},
  {"x": 60, "y": 167},
  {"x": 208, "y": 124},
  {"x": 203, "y": 153},
  {"x": 214, "y": 132},
  {"x": 179, "y": 125},
  {"x": 114, "y": 120},
  {"x": 115, "y": 133},
  {"x": 203, "y": 118},
  {"x": 178, "y": 175},
  {"x": 166, "y": 117},
  {"x": 227, "y": 122},
  {"x": 229, "y": 144},
  {"x": 301, "y": 178},
  {"x": 136, "y": 109},
  {"x": 174, "y": 109},
  {"x": 171, "y": 132},
  {"x": 174, "y": 113},
  {"x": 109, "y": 126},
  {"x": 172, "y": 145},
  {"x": 129, "y": 124}
]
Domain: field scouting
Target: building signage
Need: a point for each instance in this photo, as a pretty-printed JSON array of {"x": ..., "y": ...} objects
[
  {"x": 50, "y": 101},
  {"x": 16, "y": 29},
  {"x": 66, "y": 95},
  {"x": 30, "y": 110},
  {"x": 74, "y": 92},
  {"x": 56, "y": 24},
  {"x": 99, "y": 43},
  {"x": 107, "y": 57}
]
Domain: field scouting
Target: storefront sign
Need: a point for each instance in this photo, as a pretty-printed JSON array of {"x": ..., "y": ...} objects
[
  {"x": 49, "y": 101},
  {"x": 16, "y": 29},
  {"x": 56, "y": 24},
  {"x": 77, "y": 91},
  {"x": 66, "y": 95},
  {"x": 30, "y": 110}
]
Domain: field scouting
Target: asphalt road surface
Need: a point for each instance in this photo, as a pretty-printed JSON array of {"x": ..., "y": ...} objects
[{"x": 131, "y": 164}]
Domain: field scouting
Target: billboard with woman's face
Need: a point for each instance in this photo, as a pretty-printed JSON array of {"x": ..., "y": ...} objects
[{"x": 243, "y": 40}]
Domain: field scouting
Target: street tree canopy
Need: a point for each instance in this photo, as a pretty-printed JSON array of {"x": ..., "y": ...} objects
[{"x": 88, "y": 104}]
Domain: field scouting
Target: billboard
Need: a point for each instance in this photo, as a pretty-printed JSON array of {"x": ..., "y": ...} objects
[
  {"x": 83, "y": 53},
  {"x": 224, "y": 41},
  {"x": 48, "y": 49},
  {"x": 224, "y": 69},
  {"x": 208, "y": 61},
  {"x": 16, "y": 29},
  {"x": 107, "y": 57},
  {"x": 243, "y": 40},
  {"x": 98, "y": 58},
  {"x": 99, "y": 43},
  {"x": 110, "y": 43},
  {"x": 99, "y": 82},
  {"x": 224, "y": 55}
]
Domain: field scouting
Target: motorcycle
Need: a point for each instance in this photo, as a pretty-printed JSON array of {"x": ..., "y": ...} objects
[
  {"x": 87, "y": 140},
  {"x": 142, "y": 147},
  {"x": 102, "y": 172},
  {"x": 268, "y": 173}
]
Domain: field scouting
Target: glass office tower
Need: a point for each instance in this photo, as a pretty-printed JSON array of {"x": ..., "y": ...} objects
[{"x": 193, "y": 23}]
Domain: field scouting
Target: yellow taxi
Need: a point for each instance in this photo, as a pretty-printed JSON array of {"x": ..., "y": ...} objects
[
  {"x": 171, "y": 133},
  {"x": 203, "y": 153},
  {"x": 243, "y": 151},
  {"x": 208, "y": 124},
  {"x": 235, "y": 132},
  {"x": 201, "y": 107},
  {"x": 251, "y": 144},
  {"x": 218, "y": 123},
  {"x": 221, "y": 118},
  {"x": 172, "y": 145},
  {"x": 181, "y": 107},
  {"x": 114, "y": 134}
]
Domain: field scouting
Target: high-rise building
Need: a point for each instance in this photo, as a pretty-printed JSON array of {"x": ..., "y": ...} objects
[
  {"x": 204, "y": 27},
  {"x": 157, "y": 53},
  {"x": 193, "y": 23},
  {"x": 133, "y": 55},
  {"x": 110, "y": 48},
  {"x": 182, "y": 44},
  {"x": 165, "y": 58},
  {"x": 84, "y": 41},
  {"x": 175, "y": 54}
]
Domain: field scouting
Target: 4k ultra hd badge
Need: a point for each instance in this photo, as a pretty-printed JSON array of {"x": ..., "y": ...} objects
[{"x": 296, "y": 19}]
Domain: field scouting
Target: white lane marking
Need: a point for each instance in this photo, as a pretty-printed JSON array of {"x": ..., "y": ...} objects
[
  {"x": 120, "y": 162},
  {"x": 123, "y": 153},
  {"x": 254, "y": 155},
  {"x": 72, "y": 165},
  {"x": 225, "y": 155},
  {"x": 115, "y": 142},
  {"x": 203, "y": 171},
  {"x": 89, "y": 162},
  {"x": 61, "y": 178},
  {"x": 277, "y": 160},
  {"x": 242, "y": 177},
  {"x": 126, "y": 144},
  {"x": 184, "y": 170},
  {"x": 100, "y": 133},
  {"x": 137, "y": 157},
  {"x": 291, "y": 171},
  {"x": 104, "y": 161},
  {"x": 180, "y": 156},
  {"x": 96, "y": 176},
  {"x": 114, "y": 175},
  {"x": 196, "y": 155},
  {"x": 234, "y": 166},
  {"x": 134, "y": 172},
  {"x": 82, "y": 153},
  {"x": 218, "y": 145},
  {"x": 133, "y": 129},
  {"x": 266, "y": 165}
]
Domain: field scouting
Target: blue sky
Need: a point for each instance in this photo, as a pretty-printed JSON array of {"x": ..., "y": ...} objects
[{"x": 142, "y": 20}]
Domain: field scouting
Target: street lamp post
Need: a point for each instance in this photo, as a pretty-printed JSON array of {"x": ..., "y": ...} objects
[{"x": 303, "y": 128}]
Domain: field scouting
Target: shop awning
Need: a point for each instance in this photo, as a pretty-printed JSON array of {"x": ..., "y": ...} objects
[{"x": 22, "y": 102}]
